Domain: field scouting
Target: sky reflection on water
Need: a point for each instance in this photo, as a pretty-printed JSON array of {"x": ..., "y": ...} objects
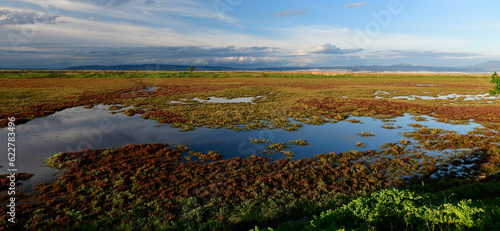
[{"x": 75, "y": 129}]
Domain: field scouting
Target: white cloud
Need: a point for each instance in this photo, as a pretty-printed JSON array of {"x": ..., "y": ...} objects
[
  {"x": 80, "y": 32},
  {"x": 133, "y": 9},
  {"x": 125, "y": 43},
  {"x": 291, "y": 13},
  {"x": 110, "y": 3},
  {"x": 306, "y": 38},
  {"x": 22, "y": 17},
  {"x": 352, "y": 5},
  {"x": 195, "y": 24},
  {"x": 332, "y": 49},
  {"x": 396, "y": 41}
]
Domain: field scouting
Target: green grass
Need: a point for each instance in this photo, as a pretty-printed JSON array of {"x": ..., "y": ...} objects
[{"x": 470, "y": 207}]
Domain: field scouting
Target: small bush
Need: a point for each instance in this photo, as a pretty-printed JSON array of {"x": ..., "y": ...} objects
[
  {"x": 495, "y": 79},
  {"x": 399, "y": 210}
]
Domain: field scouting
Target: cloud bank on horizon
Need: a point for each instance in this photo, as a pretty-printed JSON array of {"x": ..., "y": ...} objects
[{"x": 244, "y": 33}]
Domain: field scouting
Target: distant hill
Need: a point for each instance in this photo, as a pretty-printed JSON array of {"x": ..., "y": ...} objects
[
  {"x": 485, "y": 67},
  {"x": 492, "y": 65}
]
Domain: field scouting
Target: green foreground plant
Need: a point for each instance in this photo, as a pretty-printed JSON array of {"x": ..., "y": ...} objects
[
  {"x": 495, "y": 79},
  {"x": 394, "y": 209}
]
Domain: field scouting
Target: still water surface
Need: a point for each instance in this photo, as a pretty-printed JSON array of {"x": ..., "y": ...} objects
[{"x": 76, "y": 129}]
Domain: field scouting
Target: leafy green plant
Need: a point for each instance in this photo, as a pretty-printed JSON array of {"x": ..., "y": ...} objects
[
  {"x": 495, "y": 79},
  {"x": 399, "y": 210}
]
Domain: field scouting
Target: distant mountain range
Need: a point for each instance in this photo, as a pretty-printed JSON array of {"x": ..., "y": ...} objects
[
  {"x": 486, "y": 67},
  {"x": 153, "y": 67},
  {"x": 492, "y": 65}
]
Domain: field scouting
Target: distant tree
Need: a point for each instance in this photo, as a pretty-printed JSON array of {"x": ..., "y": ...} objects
[
  {"x": 191, "y": 69},
  {"x": 495, "y": 79}
]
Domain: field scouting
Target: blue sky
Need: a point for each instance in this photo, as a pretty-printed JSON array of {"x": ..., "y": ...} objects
[{"x": 256, "y": 33}]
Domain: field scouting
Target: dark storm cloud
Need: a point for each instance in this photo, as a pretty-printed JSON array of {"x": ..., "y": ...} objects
[
  {"x": 65, "y": 56},
  {"x": 177, "y": 51}
]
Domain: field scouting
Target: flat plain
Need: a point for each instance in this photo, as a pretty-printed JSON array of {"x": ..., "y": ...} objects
[{"x": 428, "y": 174}]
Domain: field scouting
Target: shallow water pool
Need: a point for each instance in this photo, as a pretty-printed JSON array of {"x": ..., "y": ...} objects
[{"x": 76, "y": 129}]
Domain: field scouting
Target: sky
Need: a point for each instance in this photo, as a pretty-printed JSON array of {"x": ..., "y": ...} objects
[{"x": 55, "y": 34}]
